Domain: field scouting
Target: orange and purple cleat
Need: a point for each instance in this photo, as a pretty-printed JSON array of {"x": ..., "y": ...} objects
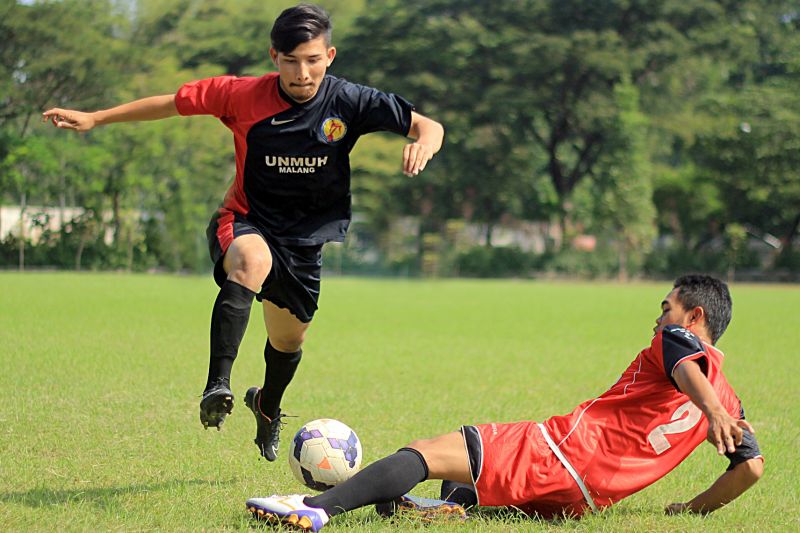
[{"x": 288, "y": 510}]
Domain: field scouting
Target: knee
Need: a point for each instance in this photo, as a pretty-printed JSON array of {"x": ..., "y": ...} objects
[
  {"x": 251, "y": 270},
  {"x": 420, "y": 445},
  {"x": 288, "y": 342},
  {"x": 428, "y": 456},
  {"x": 414, "y": 444},
  {"x": 445, "y": 456},
  {"x": 754, "y": 469}
]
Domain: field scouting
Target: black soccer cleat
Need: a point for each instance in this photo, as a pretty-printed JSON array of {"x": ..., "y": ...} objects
[
  {"x": 268, "y": 430},
  {"x": 217, "y": 403}
]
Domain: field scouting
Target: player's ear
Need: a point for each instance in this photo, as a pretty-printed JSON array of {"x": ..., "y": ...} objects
[
  {"x": 698, "y": 316},
  {"x": 331, "y": 54},
  {"x": 273, "y": 54}
]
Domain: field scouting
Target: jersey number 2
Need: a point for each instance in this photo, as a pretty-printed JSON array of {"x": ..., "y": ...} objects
[{"x": 684, "y": 418}]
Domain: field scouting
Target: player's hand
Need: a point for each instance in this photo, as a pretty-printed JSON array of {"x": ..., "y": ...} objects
[
  {"x": 677, "y": 508},
  {"x": 69, "y": 119},
  {"x": 725, "y": 432},
  {"x": 415, "y": 156}
]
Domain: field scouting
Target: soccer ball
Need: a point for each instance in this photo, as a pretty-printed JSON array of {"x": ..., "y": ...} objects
[{"x": 323, "y": 453}]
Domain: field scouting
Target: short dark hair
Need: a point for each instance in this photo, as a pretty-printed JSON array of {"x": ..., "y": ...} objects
[
  {"x": 699, "y": 290},
  {"x": 300, "y": 24}
]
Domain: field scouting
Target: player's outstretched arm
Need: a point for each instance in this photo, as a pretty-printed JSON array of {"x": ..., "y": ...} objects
[
  {"x": 725, "y": 489},
  {"x": 150, "y": 108},
  {"x": 724, "y": 431},
  {"x": 428, "y": 136}
]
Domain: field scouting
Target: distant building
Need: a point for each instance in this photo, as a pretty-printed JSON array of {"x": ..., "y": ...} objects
[{"x": 37, "y": 218}]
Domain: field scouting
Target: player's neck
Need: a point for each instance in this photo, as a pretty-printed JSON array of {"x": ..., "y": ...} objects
[{"x": 701, "y": 333}]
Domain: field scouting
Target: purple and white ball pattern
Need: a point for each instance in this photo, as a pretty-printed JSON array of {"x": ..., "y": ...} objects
[{"x": 323, "y": 453}]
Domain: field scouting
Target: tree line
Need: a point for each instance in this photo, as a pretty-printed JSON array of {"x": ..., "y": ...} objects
[{"x": 667, "y": 130}]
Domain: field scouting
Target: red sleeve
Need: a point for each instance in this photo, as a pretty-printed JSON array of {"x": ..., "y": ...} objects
[{"x": 210, "y": 96}]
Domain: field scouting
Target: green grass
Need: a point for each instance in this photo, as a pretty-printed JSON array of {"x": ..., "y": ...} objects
[{"x": 102, "y": 375}]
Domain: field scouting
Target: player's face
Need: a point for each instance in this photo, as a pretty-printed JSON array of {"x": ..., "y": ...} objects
[
  {"x": 672, "y": 312},
  {"x": 302, "y": 69}
]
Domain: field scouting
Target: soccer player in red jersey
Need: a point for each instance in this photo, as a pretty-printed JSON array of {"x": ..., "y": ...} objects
[
  {"x": 293, "y": 131},
  {"x": 669, "y": 399}
]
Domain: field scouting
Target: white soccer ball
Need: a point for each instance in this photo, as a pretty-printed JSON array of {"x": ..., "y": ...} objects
[{"x": 323, "y": 453}]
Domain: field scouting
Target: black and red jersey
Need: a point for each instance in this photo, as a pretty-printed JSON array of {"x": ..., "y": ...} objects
[{"x": 292, "y": 159}]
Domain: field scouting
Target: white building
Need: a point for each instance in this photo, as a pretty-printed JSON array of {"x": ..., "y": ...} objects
[{"x": 36, "y": 219}]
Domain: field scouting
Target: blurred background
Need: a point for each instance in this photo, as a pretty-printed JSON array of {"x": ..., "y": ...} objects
[{"x": 588, "y": 138}]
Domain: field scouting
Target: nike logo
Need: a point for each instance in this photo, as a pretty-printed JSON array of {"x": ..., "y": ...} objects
[{"x": 279, "y": 122}]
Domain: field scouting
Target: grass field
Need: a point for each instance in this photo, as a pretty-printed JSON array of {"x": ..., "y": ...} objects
[{"x": 102, "y": 375}]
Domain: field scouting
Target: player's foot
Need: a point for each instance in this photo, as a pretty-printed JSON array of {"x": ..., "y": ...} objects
[
  {"x": 425, "y": 508},
  {"x": 289, "y": 510},
  {"x": 268, "y": 430},
  {"x": 217, "y": 403}
]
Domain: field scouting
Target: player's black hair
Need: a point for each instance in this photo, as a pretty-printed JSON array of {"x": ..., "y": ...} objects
[
  {"x": 300, "y": 24},
  {"x": 699, "y": 290}
]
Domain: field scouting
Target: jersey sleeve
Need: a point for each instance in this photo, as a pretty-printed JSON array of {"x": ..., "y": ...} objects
[
  {"x": 679, "y": 345},
  {"x": 210, "y": 96},
  {"x": 379, "y": 111},
  {"x": 745, "y": 451}
]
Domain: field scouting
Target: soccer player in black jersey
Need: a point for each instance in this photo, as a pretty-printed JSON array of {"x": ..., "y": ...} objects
[{"x": 293, "y": 131}]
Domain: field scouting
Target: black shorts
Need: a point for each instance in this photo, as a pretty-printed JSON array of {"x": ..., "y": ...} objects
[
  {"x": 293, "y": 282},
  {"x": 472, "y": 441}
]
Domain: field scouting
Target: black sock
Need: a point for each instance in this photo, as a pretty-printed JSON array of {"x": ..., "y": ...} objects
[
  {"x": 382, "y": 481},
  {"x": 228, "y": 323},
  {"x": 279, "y": 373}
]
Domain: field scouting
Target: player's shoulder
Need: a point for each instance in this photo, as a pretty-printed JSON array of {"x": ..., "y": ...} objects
[
  {"x": 342, "y": 96},
  {"x": 237, "y": 85},
  {"x": 342, "y": 86},
  {"x": 674, "y": 344},
  {"x": 335, "y": 82},
  {"x": 675, "y": 334},
  {"x": 250, "y": 93},
  {"x": 255, "y": 83}
]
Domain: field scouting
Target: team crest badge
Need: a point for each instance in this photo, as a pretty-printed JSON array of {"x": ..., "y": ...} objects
[{"x": 333, "y": 129}]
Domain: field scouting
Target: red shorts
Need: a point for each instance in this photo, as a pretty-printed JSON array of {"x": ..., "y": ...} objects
[{"x": 512, "y": 465}]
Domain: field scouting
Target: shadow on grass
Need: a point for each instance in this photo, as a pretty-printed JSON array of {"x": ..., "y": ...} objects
[
  {"x": 100, "y": 497},
  {"x": 511, "y": 515},
  {"x": 477, "y": 517}
]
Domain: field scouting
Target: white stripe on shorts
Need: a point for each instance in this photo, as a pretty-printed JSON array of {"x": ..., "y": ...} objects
[{"x": 568, "y": 466}]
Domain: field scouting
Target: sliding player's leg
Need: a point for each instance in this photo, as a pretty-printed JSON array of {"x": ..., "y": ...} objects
[{"x": 386, "y": 480}]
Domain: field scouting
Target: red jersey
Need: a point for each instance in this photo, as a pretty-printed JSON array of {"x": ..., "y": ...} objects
[{"x": 643, "y": 426}]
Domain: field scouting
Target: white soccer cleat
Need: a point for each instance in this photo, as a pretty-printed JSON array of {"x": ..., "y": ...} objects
[{"x": 289, "y": 510}]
